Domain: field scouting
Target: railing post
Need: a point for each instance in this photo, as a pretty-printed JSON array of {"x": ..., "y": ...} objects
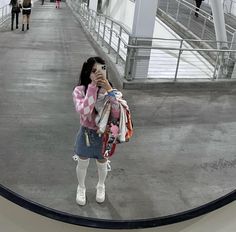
[
  {"x": 118, "y": 46},
  {"x": 94, "y": 23},
  {"x": 111, "y": 30},
  {"x": 104, "y": 29},
  {"x": 233, "y": 45},
  {"x": 99, "y": 23},
  {"x": 167, "y": 6},
  {"x": 189, "y": 19},
  {"x": 129, "y": 64},
  {"x": 81, "y": 10},
  {"x": 215, "y": 68},
  {"x": 204, "y": 28},
  {"x": 93, "y": 19},
  {"x": 177, "y": 14},
  {"x": 177, "y": 65},
  {"x": 87, "y": 18},
  {"x": 230, "y": 11},
  {"x": 90, "y": 19}
]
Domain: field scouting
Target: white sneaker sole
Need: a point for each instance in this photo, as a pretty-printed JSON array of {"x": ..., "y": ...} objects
[
  {"x": 100, "y": 200},
  {"x": 80, "y": 202}
]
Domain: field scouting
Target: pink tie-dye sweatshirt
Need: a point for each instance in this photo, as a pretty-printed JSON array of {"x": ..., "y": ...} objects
[{"x": 85, "y": 103}]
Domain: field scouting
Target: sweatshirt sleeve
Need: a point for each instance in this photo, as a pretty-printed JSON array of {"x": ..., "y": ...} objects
[{"x": 84, "y": 104}]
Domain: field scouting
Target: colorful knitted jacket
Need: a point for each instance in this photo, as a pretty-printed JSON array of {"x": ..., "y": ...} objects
[{"x": 85, "y": 104}]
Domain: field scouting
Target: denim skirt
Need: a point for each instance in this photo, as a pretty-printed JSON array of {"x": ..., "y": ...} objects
[{"x": 88, "y": 144}]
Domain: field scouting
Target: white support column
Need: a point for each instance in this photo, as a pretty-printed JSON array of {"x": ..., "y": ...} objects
[
  {"x": 143, "y": 26},
  {"x": 234, "y": 73},
  {"x": 233, "y": 56},
  {"x": 219, "y": 22},
  {"x": 144, "y": 18},
  {"x": 93, "y": 5},
  {"x": 220, "y": 31}
]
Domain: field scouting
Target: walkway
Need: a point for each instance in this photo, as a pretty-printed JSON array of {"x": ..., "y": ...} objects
[{"x": 182, "y": 154}]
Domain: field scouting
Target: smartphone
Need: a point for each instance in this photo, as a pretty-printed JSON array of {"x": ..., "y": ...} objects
[{"x": 103, "y": 69}]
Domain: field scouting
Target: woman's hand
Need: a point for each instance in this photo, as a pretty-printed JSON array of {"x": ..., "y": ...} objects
[
  {"x": 99, "y": 80},
  {"x": 104, "y": 83},
  {"x": 95, "y": 76}
]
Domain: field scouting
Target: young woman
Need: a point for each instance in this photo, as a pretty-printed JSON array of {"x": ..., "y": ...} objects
[
  {"x": 15, "y": 10},
  {"x": 26, "y": 11},
  {"x": 91, "y": 92},
  {"x": 58, "y": 4}
]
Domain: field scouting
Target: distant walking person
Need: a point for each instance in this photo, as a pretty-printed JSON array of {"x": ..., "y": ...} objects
[
  {"x": 198, "y": 5},
  {"x": 15, "y": 10},
  {"x": 26, "y": 11},
  {"x": 58, "y": 3}
]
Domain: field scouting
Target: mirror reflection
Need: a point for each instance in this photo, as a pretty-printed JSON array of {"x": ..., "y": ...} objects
[{"x": 181, "y": 154}]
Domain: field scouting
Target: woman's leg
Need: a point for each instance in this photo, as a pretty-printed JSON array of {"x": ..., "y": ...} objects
[
  {"x": 28, "y": 19},
  {"x": 102, "y": 174},
  {"x": 17, "y": 19},
  {"x": 198, "y": 5},
  {"x": 81, "y": 171},
  {"x": 23, "y": 21},
  {"x": 12, "y": 19}
]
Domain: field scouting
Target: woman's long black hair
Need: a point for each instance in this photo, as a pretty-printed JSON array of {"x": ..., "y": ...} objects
[
  {"x": 13, "y": 2},
  {"x": 26, "y": 3},
  {"x": 84, "y": 78}
]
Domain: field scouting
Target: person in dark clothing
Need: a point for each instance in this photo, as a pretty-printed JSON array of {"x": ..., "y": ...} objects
[
  {"x": 198, "y": 5},
  {"x": 42, "y": 2},
  {"x": 15, "y": 10},
  {"x": 26, "y": 11}
]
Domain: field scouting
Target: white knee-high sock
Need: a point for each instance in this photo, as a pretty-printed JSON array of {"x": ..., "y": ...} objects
[
  {"x": 102, "y": 172},
  {"x": 81, "y": 171}
]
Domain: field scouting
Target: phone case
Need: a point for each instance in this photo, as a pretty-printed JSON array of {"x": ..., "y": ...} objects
[{"x": 102, "y": 69}]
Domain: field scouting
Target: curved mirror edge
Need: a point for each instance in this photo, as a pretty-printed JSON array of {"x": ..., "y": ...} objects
[{"x": 116, "y": 224}]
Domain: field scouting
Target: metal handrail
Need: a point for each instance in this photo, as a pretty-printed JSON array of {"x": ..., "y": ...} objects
[
  {"x": 5, "y": 13},
  {"x": 109, "y": 18},
  {"x": 153, "y": 38},
  {"x": 207, "y": 18},
  {"x": 187, "y": 40},
  {"x": 177, "y": 49},
  {"x": 169, "y": 48},
  {"x": 203, "y": 13},
  {"x": 103, "y": 31}
]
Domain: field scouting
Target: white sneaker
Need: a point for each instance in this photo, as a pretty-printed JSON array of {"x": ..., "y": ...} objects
[
  {"x": 100, "y": 195},
  {"x": 81, "y": 196}
]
